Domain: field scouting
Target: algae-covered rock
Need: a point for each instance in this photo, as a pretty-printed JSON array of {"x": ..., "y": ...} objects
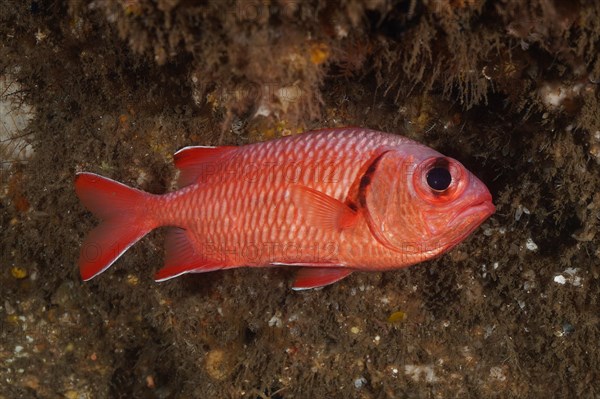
[{"x": 116, "y": 87}]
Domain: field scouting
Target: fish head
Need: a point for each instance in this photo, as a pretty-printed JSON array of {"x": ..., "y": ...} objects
[{"x": 423, "y": 203}]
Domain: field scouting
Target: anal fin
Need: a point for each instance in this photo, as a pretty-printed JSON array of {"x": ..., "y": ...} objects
[
  {"x": 182, "y": 257},
  {"x": 314, "y": 277}
]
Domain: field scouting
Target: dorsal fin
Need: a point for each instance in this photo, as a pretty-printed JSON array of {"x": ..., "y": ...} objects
[{"x": 199, "y": 162}]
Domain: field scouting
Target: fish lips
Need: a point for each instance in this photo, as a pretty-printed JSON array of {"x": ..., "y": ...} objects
[
  {"x": 473, "y": 214},
  {"x": 462, "y": 224}
]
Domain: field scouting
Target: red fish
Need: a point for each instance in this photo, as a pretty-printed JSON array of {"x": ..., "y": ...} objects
[{"x": 330, "y": 202}]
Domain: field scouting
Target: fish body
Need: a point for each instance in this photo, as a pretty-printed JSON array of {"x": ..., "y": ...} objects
[{"x": 330, "y": 201}]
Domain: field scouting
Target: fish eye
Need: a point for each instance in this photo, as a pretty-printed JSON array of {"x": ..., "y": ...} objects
[{"x": 439, "y": 178}]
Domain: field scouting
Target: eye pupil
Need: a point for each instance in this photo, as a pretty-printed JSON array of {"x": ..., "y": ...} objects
[{"x": 439, "y": 179}]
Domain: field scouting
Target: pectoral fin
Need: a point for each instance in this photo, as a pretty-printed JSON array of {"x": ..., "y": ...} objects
[
  {"x": 314, "y": 277},
  {"x": 321, "y": 210}
]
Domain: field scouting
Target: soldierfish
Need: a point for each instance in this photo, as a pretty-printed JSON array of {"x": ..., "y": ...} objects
[{"x": 330, "y": 202}]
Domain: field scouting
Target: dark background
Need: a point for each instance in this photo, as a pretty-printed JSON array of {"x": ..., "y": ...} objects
[{"x": 509, "y": 88}]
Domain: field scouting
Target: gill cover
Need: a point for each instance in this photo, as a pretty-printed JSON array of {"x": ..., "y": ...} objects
[
  {"x": 382, "y": 195},
  {"x": 403, "y": 212}
]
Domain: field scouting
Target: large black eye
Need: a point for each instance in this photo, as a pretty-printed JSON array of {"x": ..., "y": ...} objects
[{"x": 439, "y": 179}]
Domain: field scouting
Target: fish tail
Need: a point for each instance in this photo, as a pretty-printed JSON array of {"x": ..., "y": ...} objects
[{"x": 126, "y": 218}]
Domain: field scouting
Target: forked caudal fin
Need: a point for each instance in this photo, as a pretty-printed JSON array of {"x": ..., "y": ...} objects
[{"x": 125, "y": 221}]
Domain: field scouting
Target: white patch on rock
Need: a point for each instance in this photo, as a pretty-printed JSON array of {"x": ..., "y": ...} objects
[
  {"x": 531, "y": 245},
  {"x": 498, "y": 373},
  {"x": 560, "y": 279},
  {"x": 360, "y": 382},
  {"x": 275, "y": 321},
  {"x": 553, "y": 95},
  {"x": 15, "y": 116},
  {"x": 418, "y": 373},
  {"x": 569, "y": 275}
]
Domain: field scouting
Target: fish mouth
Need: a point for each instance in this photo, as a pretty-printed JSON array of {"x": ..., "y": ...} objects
[
  {"x": 462, "y": 225},
  {"x": 482, "y": 209},
  {"x": 466, "y": 221},
  {"x": 474, "y": 214}
]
